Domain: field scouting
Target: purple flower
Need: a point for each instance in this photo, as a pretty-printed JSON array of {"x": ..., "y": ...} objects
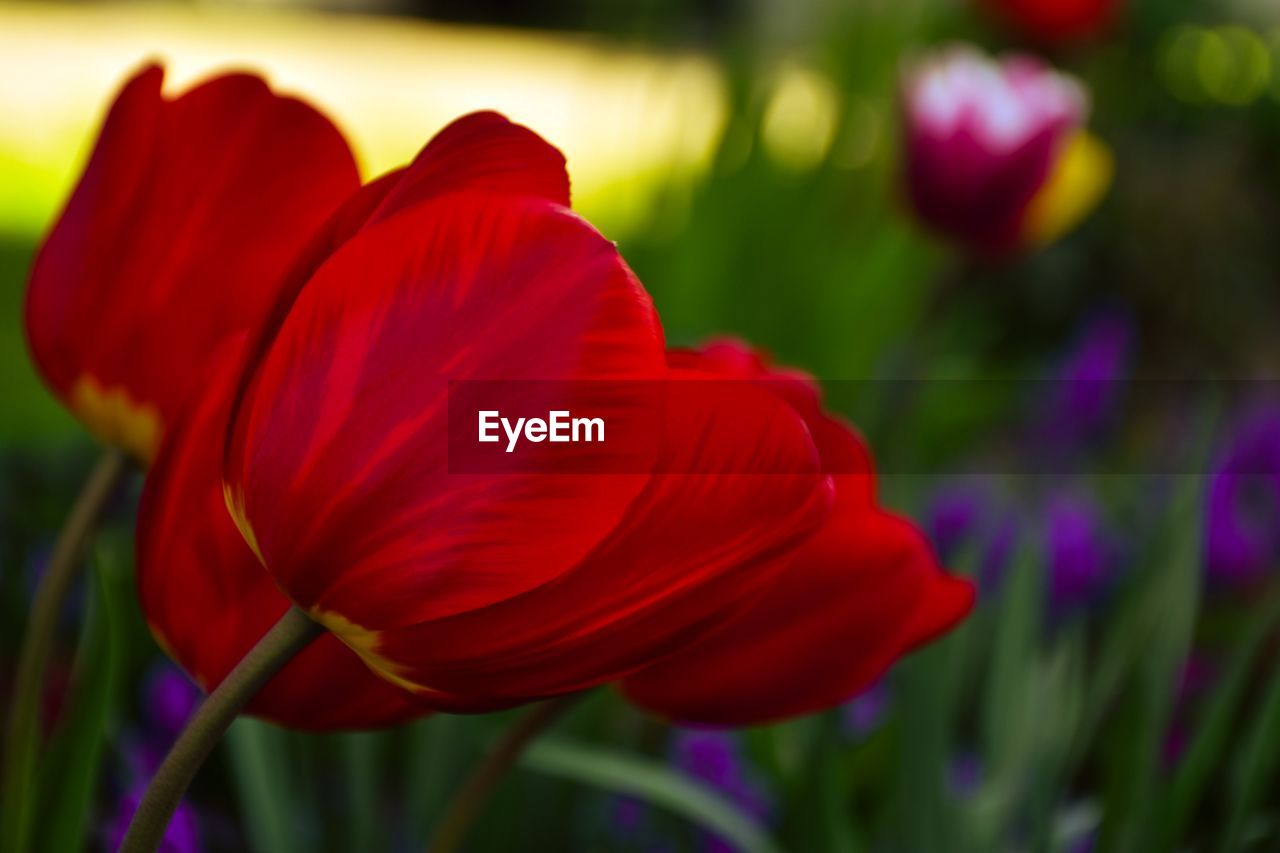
[
  {"x": 864, "y": 713},
  {"x": 181, "y": 836},
  {"x": 1242, "y": 539},
  {"x": 628, "y": 815},
  {"x": 964, "y": 775},
  {"x": 1079, "y": 551},
  {"x": 715, "y": 759},
  {"x": 966, "y": 512},
  {"x": 1199, "y": 674},
  {"x": 1087, "y": 389},
  {"x": 169, "y": 699},
  {"x": 631, "y": 827},
  {"x": 1197, "y": 678},
  {"x": 955, "y": 513}
]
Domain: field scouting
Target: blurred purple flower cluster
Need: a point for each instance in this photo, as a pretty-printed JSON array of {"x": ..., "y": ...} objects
[
  {"x": 973, "y": 520},
  {"x": 1087, "y": 387},
  {"x": 1242, "y": 535},
  {"x": 169, "y": 699},
  {"x": 715, "y": 758},
  {"x": 1081, "y": 553}
]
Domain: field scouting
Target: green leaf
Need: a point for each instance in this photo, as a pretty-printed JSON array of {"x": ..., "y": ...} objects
[
  {"x": 1168, "y": 610},
  {"x": 1007, "y": 713},
  {"x": 921, "y": 811},
  {"x": 1255, "y": 766},
  {"x": 1010, "y": 718},
  {"x": 818, "y": 815},
  {"x": 1060, "y": 693},
  {"x": 71, "y": 768},
  {"x": 648, "y": 780},
  {"x": 437, "y": 749},
  {"x": 1207, "y": 750},
  {"x": 259, "y": 763},
  {"x": 360, "y": 773}
]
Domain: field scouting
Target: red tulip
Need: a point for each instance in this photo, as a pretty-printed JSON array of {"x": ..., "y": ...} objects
[
  {"x": 476, "y": 591},
  {"x": 857, "y": 595},
  {"x": 203, "y": 590},
  {"x": 689, "y": 553},
  {"x": 994, "y": 154},
  {"x": 205, "y": 595},
  {"x": 189, "y": 212},
  {"x": 1056, "y": 21}
]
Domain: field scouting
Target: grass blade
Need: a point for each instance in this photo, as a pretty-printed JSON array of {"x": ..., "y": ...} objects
[
  {"x": 71, "y": 769},
  {"x": 1256, "y": 764},
  {"x": 360, "y": 777},
  {"x": 648, "y": 780},
  {"x": 1206, "y": 751},
  {"x": 259, "y": 759},
  {"x": 438, "y": 748}
]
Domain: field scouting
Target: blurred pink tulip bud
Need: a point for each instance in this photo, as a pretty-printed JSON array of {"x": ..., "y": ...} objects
[{"x": 995, "y": 155}]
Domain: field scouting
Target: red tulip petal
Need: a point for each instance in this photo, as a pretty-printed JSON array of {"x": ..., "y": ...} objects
[
  {"x": 208, "y": 599},
  {"x": 187, "y": 216},
  {"x": 841, "y": 449},
  {"x": 482, "y": 151},
  {"x": 860, "y": 594},
  {"x": 339, "y": 454},
  {"x": 692, "y": 548}
]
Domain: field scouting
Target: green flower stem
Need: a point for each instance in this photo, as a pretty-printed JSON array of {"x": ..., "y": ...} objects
[
  {"x": 22, "y": 738},
  {"x": 474, "y": 793},
  {"x": 285, "y": 639}
]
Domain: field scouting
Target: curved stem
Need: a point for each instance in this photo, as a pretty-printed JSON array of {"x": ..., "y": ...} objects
[
  {"x": 21, "y": 737},
  {"x": 474, "y": 793},
  {"x": 288, "y": 637}
]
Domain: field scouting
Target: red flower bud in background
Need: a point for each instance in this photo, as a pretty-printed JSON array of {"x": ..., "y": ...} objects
[
  {"x": 994, "y": 153},
  {"x": 859, "y": 593},
  {"x": 1053, "y": 22},
  {"x": 188, "y": 213}
]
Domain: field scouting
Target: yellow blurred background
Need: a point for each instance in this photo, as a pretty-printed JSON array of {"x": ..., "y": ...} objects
[{"x": 619, "y": 113}]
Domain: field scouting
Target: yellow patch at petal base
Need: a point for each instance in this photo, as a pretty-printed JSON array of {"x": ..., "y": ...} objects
[
  {"x": 235, "y": 506},
  {"x": 364, "y": 642},
  {"x": 116, "y": 418},
  {"x": 1079, "y": 180}
]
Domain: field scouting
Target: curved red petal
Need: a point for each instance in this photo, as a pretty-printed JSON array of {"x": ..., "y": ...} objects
[
  {"x": 482, "y": 151},
  {"x": 860, "y": 594},
  {"x": 339, "y": 453},
  {"x": 692, "y": 549},
  {"x": 842, "y": 450},
  {"x": 188, "y": 214},
  {"x": 208, "y": 599}
]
